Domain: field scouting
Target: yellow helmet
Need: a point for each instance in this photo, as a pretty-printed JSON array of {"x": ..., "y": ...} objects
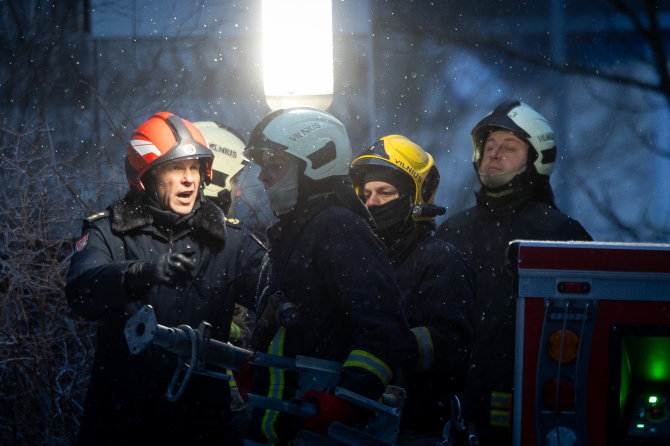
[
  {"x": 399, "y": 153},
  {"x": 227, "y": 146}
]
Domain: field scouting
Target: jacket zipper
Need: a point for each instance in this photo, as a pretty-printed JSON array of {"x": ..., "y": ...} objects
[{"x": 170, "y": 241}]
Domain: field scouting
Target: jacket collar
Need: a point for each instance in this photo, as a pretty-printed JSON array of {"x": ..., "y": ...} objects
[{"x": 132, "y": 212}]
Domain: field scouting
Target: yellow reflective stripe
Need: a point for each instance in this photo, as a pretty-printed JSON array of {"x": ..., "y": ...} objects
[
  {"x": 235, "y": 332},
  {"x": 501, "y": 403},
  {"x": 276, "y": 389},
  {"x": 500, "y": 400},
  {"x": 499, "y": 418},
  {"x": 231, "y": 382},
  {"x": 426, "y": 349},
  {"x": 371, "y": 363}
]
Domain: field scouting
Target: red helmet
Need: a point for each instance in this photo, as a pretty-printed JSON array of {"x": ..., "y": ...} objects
[{"x": 163, "y": 138}]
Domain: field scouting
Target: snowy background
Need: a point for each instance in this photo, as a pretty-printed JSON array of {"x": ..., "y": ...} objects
[
  {"x": 426, "y": 69},
  {"x": 79, "y": 76}
]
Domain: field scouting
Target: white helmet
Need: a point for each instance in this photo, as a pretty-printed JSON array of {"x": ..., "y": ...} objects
[
  {"x": 309, "y": 134},
  {"x": 525, "y": 123},
  {"x": 227, "y": 146}
]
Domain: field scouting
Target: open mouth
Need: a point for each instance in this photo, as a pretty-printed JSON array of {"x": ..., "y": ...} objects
[{"x": 185, "y": 196}]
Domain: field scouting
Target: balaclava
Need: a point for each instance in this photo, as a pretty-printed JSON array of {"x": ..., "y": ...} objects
[{"x": 395, "y": 212}]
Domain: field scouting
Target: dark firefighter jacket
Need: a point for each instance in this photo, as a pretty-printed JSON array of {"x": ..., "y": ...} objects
[
  {"x": 326, "y": 259},
  {"x": 126, "y": 401},
  {"x": 483, "y": 233},
  {"x": 438, "y": 290}
]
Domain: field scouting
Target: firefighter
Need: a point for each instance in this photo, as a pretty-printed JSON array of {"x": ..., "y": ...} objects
[
  {"x": 224, "y": 190},
  {"x": 227, "y": 146},
  {"x": 235, "y": 186},
  {"x": 514, "y": 156},
  {"x": 163, "y": 244},
  {"x": 397, "y": 180},
  {"x": 326, "y": 263}
]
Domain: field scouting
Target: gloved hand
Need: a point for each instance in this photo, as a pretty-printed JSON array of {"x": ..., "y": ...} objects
[
  {"x": 170, "y": 269},
  {"x": 331, "y": 408}
]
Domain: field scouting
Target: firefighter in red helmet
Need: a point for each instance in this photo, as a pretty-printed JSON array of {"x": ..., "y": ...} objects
[{"x": 163, "y": 244}]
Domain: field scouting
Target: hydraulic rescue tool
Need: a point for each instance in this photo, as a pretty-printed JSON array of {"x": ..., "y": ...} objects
[{"x": 198, "y": 352}]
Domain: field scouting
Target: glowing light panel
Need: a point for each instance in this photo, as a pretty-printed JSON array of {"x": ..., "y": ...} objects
[{"x": 297, "y": 53}]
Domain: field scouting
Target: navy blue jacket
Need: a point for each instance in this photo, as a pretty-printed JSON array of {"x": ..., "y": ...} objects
[
  {"x": 326, "y": 259},
  {"x": 438, "y": 298},
  {"x": 483, "y": 233},
  {"x": 126, "y": 401}
]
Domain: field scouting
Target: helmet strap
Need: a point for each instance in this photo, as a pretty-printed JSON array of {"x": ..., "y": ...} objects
[
  {"x": 150, "y": 188},
  {"x": 495, "y": 180},
  {"x": 528, "y": 182}
]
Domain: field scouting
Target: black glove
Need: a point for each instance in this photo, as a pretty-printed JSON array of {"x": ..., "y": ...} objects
[{"x": 170, "y": 269}]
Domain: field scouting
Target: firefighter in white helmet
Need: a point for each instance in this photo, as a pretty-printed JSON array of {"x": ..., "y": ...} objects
[
  {"x": 319, "y": 252},
  {"x": 227, "y": 146},
  {"x": 397, "y": 180},
  {"x": 514, "y": 155}
]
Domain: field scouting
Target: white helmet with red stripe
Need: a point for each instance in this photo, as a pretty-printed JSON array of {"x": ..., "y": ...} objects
[{"x": 163, "y": 138}]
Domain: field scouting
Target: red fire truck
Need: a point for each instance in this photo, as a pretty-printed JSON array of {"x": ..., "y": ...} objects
[{"x": 592, "y": 343}]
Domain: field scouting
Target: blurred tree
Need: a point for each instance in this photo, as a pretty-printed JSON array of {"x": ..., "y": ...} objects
[
  {"x": 69, "y": 98},
  {"x": 45, "y": 355},
  {"x": 613, "y": 53}
]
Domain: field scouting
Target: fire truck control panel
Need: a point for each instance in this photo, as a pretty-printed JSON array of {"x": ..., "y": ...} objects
[{"x": 592, "y": 355}]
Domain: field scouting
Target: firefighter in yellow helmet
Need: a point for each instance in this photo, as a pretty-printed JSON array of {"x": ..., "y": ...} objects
[{"x": 397, "y": 180}]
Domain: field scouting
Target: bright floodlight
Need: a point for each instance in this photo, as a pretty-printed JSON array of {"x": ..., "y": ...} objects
[{"x": 298, "y": 53}]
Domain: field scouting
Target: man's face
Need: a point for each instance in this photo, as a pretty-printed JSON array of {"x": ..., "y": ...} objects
[
  {"x": 377, "y": 193},
  {"x": 235, "y": 189},
  {"x": 273, "y": 169},
  {"x": 177, "y": 185},
  {"x": 503, "y": 152}
]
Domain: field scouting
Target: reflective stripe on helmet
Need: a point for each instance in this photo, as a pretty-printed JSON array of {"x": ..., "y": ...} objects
[
  {"x": 164, "y": 137},
  {"x": 144, "y": 147}
]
